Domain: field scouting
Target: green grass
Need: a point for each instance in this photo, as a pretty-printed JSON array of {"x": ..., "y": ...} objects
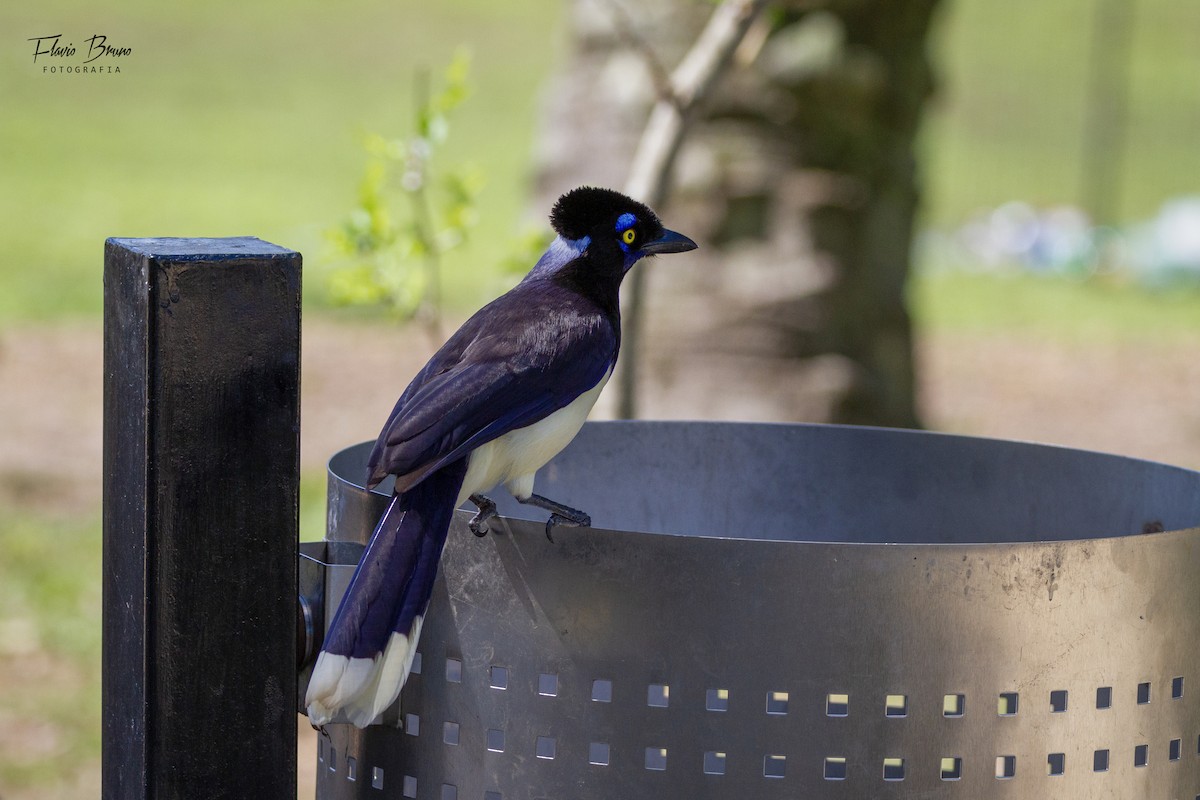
[
  {"x": 312, "y": 507},
  {"x": 1055, "y": 307},
  {"x": 50, "y": 653},
  {"x": 50, "y": 637},
  {"x": 1008, "y": 122},
  {"x": 240, "y": 118}
]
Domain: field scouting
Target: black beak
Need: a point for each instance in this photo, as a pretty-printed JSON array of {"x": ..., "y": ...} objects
[{"x": 669, "y": 242}]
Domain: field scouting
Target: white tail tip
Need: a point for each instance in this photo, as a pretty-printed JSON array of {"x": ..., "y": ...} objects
[{"x": 363, "y": 688}]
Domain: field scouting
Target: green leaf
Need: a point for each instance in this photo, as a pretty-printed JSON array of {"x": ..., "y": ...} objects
[{"x": 394, "y": 249}]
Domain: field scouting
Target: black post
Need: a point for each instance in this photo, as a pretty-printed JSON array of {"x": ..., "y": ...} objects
[{"x": 201, "y": 507}]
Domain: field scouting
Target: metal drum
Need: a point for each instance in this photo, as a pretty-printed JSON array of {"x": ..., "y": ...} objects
[{"x": 801, "y": 611}]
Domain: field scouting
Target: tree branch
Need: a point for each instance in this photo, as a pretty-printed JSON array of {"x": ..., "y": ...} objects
[
  {"x": 628, "y": 33},
  {"x": 669, "y": 120}
]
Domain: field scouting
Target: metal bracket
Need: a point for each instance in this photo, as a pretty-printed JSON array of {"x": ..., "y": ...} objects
[{"x": 325, "y": 571}]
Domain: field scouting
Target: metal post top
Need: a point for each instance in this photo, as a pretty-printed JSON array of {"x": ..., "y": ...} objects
[
  {"x": 203, "y": 248},
  {"x": 831, "y": 483}
]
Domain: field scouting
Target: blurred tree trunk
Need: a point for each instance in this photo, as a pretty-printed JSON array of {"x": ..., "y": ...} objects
[{"x": 800, "y": 180}]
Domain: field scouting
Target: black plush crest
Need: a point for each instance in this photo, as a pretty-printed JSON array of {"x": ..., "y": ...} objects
[{"x": 580, "y": 210}]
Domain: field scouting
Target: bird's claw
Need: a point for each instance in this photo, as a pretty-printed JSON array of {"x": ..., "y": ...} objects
[
  {"x": 487, "y": 510},
  {"x": 478, "y": 525},
  {"x": 582, "y": 521}
]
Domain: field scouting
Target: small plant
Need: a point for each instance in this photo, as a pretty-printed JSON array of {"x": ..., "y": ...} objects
[{"x": 394, "y": 253}]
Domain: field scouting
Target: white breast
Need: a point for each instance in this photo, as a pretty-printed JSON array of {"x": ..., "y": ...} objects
[{"x": 513, "y": 458}]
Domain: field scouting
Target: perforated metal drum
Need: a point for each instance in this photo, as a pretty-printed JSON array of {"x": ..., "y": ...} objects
[{"x": 796, "y": 611}]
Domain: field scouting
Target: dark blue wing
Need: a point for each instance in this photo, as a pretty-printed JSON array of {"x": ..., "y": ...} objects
[{"x": 518, "y": 360}]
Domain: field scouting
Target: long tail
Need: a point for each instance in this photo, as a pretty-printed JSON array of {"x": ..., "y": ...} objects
[{"x": 369, "y": 648}]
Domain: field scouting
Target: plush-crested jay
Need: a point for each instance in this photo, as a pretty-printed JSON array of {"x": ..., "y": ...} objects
[{"x": 502, "y": 397}]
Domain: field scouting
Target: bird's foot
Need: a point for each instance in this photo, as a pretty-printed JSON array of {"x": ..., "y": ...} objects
[
  {"x": 487, "y": 510},
  {"x": 559, "y": 519},
  {"x": 560, "y": 514}
]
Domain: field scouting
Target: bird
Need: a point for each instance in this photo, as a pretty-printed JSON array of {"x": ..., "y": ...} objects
[{"x": 503, "y": 395}]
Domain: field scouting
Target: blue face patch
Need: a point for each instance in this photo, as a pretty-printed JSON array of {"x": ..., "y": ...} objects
[{"x": 624, "y": 223}]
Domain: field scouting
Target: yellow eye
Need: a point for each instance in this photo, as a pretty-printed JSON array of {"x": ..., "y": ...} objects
[{"x": 629, "y": 235}]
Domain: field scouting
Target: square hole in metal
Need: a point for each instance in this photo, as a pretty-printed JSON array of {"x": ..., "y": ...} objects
[
  {"x": 656, "y": 758},
  {"x": 376, "y": 777},
  {"x": 1007, "y": 705},
  {"x": 409, "y": 789},
  {"x": 453, "y": 670},
  {"x": 351, "y": 768},
  {"x": 1056, "y": 763},
  {"x": 1143, "y": 693},
  {"x": 835, "y": 768},
  {"x": 837, "y": 705},
  {"x": 598, "y": 754},
  {"x": 320, "y": 751},
  {"x": 498, "y": 677},
  {"x": 1141, "y": 755},
  {"x": 602, "y": 691},
  {"x": 416, "y": 665},
  {"x": 774, "y": 766},
  {"x": 450, "y": 732},
  {"x": 449, "y": 792},
  {"x": 1177, "y": 687},
  {"x": 546, "y": 747},
  {"x": 1175, "y": 749},
  {"x": 1058, "y": 701},
  {"x": 716, "y": 700},
  {"x": 658, "y": 695},
  {"x": 495, "y": 740},
  {"x": 954, "y": 705},
  {"x": 1104, "y": 697},
  {"x": 1006, "y": 767},
  {"x": 951, "y": 768},
  {"x": 1100, "y": 761},
  {"x": 895, "y": 705},
  {"x": 714, "y": 762},
  {"x": 489, "y": 795},
  {"x": 548, "y": 684},
  {"x": 412, "y": 724},
  {"x": 777, "y": 702},
  {"x": 893, "y": 769},
  {"x": 332, "y": 760}
]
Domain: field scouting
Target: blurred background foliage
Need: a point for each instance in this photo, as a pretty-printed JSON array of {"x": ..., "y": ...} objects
[
  {"x": 232, "y": 118},
  {"x": 395, "y": 254},
  {"x": 287, "y": 121}
]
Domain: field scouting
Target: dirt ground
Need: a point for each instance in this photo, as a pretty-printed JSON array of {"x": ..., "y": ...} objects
[
  {"x": 1135, "y": 399},
  {"x": 1141, "y": 400}
]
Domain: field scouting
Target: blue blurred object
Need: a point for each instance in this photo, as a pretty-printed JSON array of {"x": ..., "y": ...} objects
[{"x": 1161, "y": 252}]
